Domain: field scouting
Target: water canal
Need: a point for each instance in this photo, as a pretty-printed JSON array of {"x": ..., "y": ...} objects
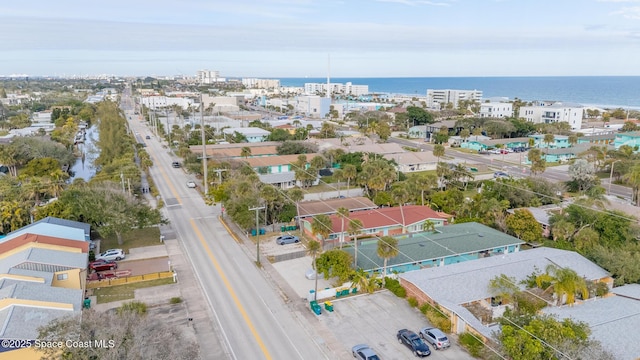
[{"x": 84, "y": 167}]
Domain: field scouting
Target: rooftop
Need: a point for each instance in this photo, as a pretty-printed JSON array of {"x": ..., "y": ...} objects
[
  {"x": 390, "y": 216},
  {"x": 448, "y": 241},
  {"x": 275, "y": 160},
  {"x": 331, "y": 206}
]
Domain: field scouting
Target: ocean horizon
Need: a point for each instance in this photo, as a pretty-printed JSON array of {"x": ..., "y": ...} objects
[{"x": 597, "y": 91}]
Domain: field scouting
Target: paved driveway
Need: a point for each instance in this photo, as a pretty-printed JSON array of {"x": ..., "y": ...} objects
[{"x": 375, "y": 319}]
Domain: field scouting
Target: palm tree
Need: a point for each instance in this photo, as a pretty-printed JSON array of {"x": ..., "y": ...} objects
[
  {"x": 343, "y": 213},
  {"x": 322, "y": 226},
  {"x": 465, "y": 134},
  {"x": 573, "y": 139},
  {"x": 428, "y": 225},
  {"x": 355, "y": 226},
  {"x": 363, "y": 281},
  {"x": 424, "y": 183},
  {"x": 548, "y": 139},
  {"x": 338, "y": 176},
  {"x": 438, "y": 151},
  {"x": 387, "y": 249},
  {"x": 400, "y": 195},
  {"x": 245, "y": 152},
  {"x": 296, "y": 195},
  {"x": 633, "y": 178},
  {"x": 349, "y": 172},
  {"x": 314, "y": 249},
  {"x": 564, "y": 282}
]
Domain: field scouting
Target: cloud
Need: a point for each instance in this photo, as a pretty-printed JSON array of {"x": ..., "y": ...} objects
[{"x": 631, "y": 12}]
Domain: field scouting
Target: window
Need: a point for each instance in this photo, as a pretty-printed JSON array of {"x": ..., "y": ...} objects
[{"x": 63, "y": 276}]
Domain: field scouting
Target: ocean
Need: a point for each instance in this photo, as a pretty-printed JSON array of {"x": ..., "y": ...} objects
[{"x": 600, "y": 91}]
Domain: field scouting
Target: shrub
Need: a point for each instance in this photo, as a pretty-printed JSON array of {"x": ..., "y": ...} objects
[
  {"x": 175, "y": 300},
  {"x": 92, "y": 256},
  {"x": 471, "y": 343},
  {"x": 413, "y": 301},
  {"x": 393, "y": 285},
  {"x": 137, "y": 307}
]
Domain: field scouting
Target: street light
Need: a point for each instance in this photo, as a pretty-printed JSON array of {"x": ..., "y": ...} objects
[{"x": 611, "y": 177}]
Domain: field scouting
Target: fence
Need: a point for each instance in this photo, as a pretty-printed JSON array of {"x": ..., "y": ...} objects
[
  {"x": 128, "y": 279},
  {"x": 287, "y": 256}
]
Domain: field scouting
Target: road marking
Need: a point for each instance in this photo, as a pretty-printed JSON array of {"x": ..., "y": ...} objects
[
  {"x": 227, "y": 284},
  {"x": 166, "y": 178}
]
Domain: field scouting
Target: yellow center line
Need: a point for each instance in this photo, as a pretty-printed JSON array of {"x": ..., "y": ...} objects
[
  {"x": 166, "y": 179},
  {"x": 227, "y": 284}
]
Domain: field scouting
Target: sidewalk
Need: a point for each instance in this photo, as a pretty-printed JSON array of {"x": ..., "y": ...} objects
[{"x": 331, "y": 347}]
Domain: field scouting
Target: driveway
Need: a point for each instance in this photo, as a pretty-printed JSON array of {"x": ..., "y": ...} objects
[
  {"x": 375, "y": 320},
  {"x": 145, "y": 266}
]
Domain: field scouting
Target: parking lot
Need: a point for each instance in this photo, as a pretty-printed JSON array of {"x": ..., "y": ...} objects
[{"x": 373, "y": 319}]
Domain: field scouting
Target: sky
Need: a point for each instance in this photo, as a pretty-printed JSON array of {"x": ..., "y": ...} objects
[{"x": 313, "y": 38}]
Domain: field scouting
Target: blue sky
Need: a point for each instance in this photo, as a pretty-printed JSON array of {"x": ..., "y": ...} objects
[{"x": 294, "y": 38}]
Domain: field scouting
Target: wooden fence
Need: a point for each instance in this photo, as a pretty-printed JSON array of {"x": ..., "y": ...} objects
[{"x": 128, "y": 279}]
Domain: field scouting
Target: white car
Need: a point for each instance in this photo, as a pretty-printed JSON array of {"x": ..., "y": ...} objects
[
  {"x": 191, "y": 184},
  {"x": 111, "y": 254}
]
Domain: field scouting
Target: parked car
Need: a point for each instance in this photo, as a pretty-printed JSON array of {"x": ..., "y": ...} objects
[
  {"x": 413, "y": 342},
  {"x": 364, "y": 352},
  {"x": 175, "y": 164},
  {"x": 435, "y": 337},
  {"x": 191, "y": 184},
  {"x": 102, "y": 265},
  {"x": 148, "y": 137},
  {"x": 504, "y": 151},
  {"x": 287, "y": 239},
  {"x": 111, "y": 254},
  {"x": 500, "y": 174},
  {"x": 494, "y": 151},
  {"x": 311, "y": 275}
]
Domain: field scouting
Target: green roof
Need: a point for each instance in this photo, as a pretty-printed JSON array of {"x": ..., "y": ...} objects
[{"x": 450, "y": 240}]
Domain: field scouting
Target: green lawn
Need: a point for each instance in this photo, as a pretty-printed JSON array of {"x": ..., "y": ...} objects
[
  {"x": 133, "y": 239},
  {"x": 124, "y": 292}
]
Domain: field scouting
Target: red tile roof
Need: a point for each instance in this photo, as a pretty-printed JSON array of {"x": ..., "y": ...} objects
[
  {"x": 29, "y": 238},
  {"x": 389, "y": 216}
]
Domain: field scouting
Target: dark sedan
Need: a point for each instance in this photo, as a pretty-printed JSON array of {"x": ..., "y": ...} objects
[{"x": 413, "y": 342}]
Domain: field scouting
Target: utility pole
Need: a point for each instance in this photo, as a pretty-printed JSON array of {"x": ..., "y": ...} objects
[
  {"x": 219, "y": 172},
  {"x": 204, "y": 148},
  {"x": 256, "y": 209}
]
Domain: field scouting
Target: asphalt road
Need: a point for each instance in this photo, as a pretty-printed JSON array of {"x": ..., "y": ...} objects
[
  {"x": 496, "y": 162},
  {"x": 248, "y": 312}
]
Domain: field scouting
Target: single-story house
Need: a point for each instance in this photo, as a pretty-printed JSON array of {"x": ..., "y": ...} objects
[
  {"x": 597, "y": 140},
  {"x": 330, "y": 206},
  {"x": 458, "y": 286},
  {"x": 275, "y": 164},
  {"x": 490, "y": 144},
  {"x": 446, "y": 245},
  {"x": 383, "y": 221},
  {"x": 559, "y": 141},
  {"x": 613, "y": 320},
  {"x": 631, "y": 138},
  {"x": 253, "y": 134},
  {"x": 414, "y": 161}
]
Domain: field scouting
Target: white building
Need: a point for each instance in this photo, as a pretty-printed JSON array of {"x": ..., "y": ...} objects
[
  {"x": 253, "y": 83},
  {"x": 336, "y": 88},
  {"x": 549, "y": 112},
  {"x": 313, "y": 105},
  {"x": 252, "y": 134},
  {"x": 496, "y": 110},
  {"x": 161, "y": 102},
  {"x": 208, "y": 77},
  {"x": 439, "y": 98}
]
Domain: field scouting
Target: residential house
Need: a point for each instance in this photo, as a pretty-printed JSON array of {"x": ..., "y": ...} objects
[
  {"x": 410, "y": 161},
  {"x": 559, "y": 141},
  {"x": 383, "y": 221},
  {"x": 459, "y": 287},
  {"x": 432, "y": 129},
  {"x": 630, "y": 138},
  {"x": 445, "y": 246},
  {"x": 496, "y": 110},
  {"x": 55, "y": 227},
  {"x": 613, "y": 320},
  {"x": 482, "y": 145},
  {"x": 597, "y": 140},
  {"x": 275, "y": 164},
  {"x": 253, "y": 134},
  {"x": 548, "y": 112},
  {"x": 330, "y": 206},
  {"x": 542, "y": 215}
]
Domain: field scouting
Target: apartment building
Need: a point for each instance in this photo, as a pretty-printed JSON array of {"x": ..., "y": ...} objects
[
  {"x": 253, "y": 83},
  {"x": 208, "y": 77},
  {"x": 336, "y": 88},
  {"x": 313, "y": 105},
  {"x": 549, "y": 112},
  {"x": 437, "y": 99},
  {"x": 496, "y": 110}
]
